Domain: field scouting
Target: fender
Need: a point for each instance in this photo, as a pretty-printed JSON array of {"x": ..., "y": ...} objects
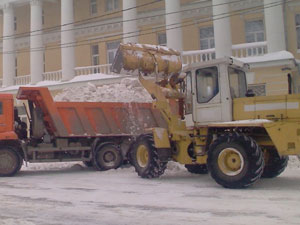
[{"x": 161, "y": 138}]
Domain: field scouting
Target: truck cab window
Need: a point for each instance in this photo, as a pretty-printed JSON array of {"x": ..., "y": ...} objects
[
  {"x": 188, "y": 93},
  {"x": 238, "y": 84},
  {"x": 1, "y": 108},
  {"x": 207, "y": 84}
]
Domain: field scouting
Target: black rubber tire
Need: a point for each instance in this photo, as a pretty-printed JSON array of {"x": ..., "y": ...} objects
[
  {"x": 274, "y": 164},
  {"x": 12, "y": 156},
  {"x": 152, "y": 167},
  {"x": 249, "y": 153},
  {"x": 107, "y": 156},
  {"x": 197, "y": 168},
  {"x": 88, "y": 164}
]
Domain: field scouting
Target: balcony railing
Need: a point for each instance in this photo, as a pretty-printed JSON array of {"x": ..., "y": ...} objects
[
  {"x": 53, "y": 76},
  {"x": 198, "y": 56},
  {"x": 104, "y": 69},
  {"x": 22, "y": 80},
  {"x": 239, "y": 51},
  {"x": 249, "y": 49}
]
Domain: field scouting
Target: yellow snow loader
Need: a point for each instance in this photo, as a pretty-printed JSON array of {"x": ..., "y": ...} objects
[{"x": 215, "y": 124}]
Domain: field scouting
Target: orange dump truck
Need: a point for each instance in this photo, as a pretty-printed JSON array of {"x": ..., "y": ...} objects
[{"x": 99, "y": 134}]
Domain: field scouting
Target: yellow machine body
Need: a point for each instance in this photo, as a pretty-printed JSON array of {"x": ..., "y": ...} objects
[
  {"x": 283, "y": 113},
  {"x": 279, "y": 116}
]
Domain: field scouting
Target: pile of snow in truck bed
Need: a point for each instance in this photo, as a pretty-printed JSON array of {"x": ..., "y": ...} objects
[{"x": 128, "y": 90}]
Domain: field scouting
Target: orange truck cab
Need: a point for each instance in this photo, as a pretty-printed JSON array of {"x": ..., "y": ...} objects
[
  {"x": 7, "y": 118},
  {"x": 100, "y": 134}
]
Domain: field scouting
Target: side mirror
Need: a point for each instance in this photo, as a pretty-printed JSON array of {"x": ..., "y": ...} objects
[{"x": 250, "y": 93}]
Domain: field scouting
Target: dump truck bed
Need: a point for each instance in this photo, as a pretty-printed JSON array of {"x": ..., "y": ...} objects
[{"x": 94, "y": 119}]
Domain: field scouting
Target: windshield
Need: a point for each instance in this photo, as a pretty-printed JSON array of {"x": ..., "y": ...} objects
[{"x": 207, "y": 84}]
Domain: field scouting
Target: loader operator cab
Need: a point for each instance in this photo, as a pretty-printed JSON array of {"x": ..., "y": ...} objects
[{"x": 211, "y": 88}]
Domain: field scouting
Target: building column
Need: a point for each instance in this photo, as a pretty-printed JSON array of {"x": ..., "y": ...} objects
[
  {"x": 173, "y": 24},
  {"x": 222, "y": 28},
  {"x": 36, "y": 42},
  {"x": 9, "y": 64},
  {"x": 67, "y": 40},
  {"x": 274, "y": 21},
  {"x": 130, "y": 28}
]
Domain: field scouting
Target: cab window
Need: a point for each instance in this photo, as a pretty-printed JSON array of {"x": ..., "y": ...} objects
[
  {"x": 1, "y": 108},
  {"x": 188, "y": 93},
  {"x": 238, "y": 83},
  {"x": 207, "y": 84}
]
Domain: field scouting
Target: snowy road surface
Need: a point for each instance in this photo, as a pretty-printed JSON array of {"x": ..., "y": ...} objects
[{"x": 76, "y": 195}]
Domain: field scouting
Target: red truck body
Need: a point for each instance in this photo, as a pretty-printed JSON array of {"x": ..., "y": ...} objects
[{"x": 93, "y": 119}]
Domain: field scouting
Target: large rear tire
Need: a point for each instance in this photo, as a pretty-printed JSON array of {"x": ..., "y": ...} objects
[
  {"x": 145, "y": 158},
  {"x": 235, "y": 161},
  {"x": 197, "y": 168},
  {"x": 107, "y": 156},
  {"x": 10, "y": 161},
  {"x": 274, "y": 164}
]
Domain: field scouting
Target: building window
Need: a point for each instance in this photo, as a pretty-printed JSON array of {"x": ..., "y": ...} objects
[
  {"x": 15, "y": 23},
  {"x": 162, "y": 39},
  {"x": 16, "y": 66},
  {"x": 298, "y": 30},
  {"x": 112, "y": 5},
  {"x": 43, "y": 17},
  {"x": 207, "y": 39},
  {"x": 95, "y": 55},
  {"x": 93, "y": 7},
  {"x": 44, "y": 61},
  {"x": 255, "y": 31},
  {"x": 112, "y": 48}
]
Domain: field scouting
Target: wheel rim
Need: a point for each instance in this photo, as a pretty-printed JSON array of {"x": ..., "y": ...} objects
[
  {"x": 230, "y": 161},
  {"x": 109, "y": 157},
  {"x": 8, "y": 162},
  {"x": 142, "y": 156}
]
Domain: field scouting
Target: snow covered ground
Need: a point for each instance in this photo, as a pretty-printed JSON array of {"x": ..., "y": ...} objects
[{"x": 71, "y": 194}]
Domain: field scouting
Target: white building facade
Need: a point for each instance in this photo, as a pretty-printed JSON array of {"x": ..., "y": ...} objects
[{"x": 60, "y": 39}]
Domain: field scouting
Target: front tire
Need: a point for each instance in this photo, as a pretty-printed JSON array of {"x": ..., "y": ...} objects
[
  {"x": 145, "y": 158},
  {"x": 10, "y": 161},
  {"x": 235, "y": 161},
  {"x": 107, "y": 156},
  {"x": 197, "y": 168},
  {"x": 274, "y": 164}
]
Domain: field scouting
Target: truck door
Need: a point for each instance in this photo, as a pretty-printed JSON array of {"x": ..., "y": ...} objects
[
  {"x": 212, "y": 102},
  {"x": 6, "y": 115}
]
